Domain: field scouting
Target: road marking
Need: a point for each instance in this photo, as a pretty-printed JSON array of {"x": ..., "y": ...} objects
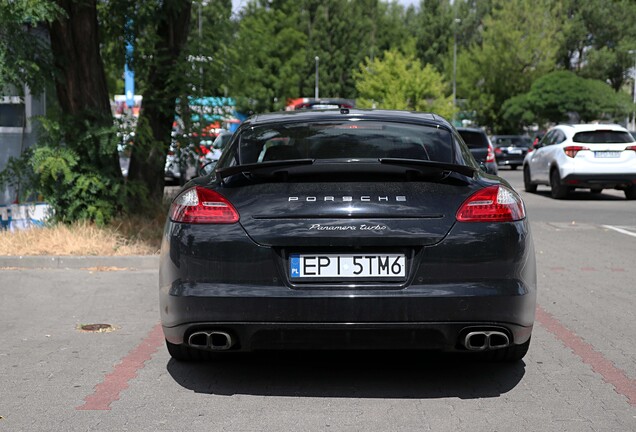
[
  {"x": 114, "y": 383},
  {"x": 620, "y": 230},
  {"x": 601, "y": 365}
]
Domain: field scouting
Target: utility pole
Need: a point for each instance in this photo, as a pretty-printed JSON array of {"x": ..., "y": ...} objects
[{"x": 316, "y": 92}]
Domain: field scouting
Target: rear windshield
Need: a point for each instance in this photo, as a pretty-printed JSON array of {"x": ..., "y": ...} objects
[
  {"x": 603, "y": 136},
  {"x": 512, "y": 141},
  {"x": 474, "y": 139},
  {"x": 344, "y": 139}
]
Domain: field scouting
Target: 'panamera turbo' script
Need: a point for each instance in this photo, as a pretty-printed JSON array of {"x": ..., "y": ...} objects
[{"x": 361, "y": 227}]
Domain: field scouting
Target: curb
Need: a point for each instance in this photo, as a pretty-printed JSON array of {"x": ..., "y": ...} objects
[{"x": 133, "y": 262}]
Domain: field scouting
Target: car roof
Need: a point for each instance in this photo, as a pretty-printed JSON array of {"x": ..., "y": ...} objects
[{"x": 337, "y": 114}]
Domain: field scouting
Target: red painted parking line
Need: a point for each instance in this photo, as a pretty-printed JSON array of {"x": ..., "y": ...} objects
[
  {"x": 114, "y": 383},
  {"x": 601, "y": 365}
]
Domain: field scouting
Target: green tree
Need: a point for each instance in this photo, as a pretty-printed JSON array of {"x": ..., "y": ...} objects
[
  {"x": 341, "y": 33},
  {"x": 268, "y": 55},
  {"x": 519, "y": 43},
  {"x": 559, "y": 96},
  {"x": 597, "y": 38},
  {"x": 25, "y": 57},
  {"x": 399, "y": 81},
  {"x": 434, "y": 32}
]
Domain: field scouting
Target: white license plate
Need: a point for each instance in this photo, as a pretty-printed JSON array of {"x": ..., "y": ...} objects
[
  {"x": 347, "y": 266},
  {"x": 607, "y": 154},
  {"x": 515, "y": 151}
]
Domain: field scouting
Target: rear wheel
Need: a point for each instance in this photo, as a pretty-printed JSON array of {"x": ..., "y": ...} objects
[
  {"x": 596, "y": 190},
  {"x": 527, "y": 183},
  {"x": 513, "y": 167},
  {"x": 630, "y": 192},
  {"x": 557, "y": 190}
]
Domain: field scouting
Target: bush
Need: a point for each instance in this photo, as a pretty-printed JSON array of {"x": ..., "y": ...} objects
[{"x": 79, "y": 182}]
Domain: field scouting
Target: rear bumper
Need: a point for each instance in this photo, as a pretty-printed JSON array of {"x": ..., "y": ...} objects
[
  {"x": 509, "y": 160},
  {"x": 439, "y": 336},
  {"x": 420, "y": 317},
  {"x": 606, "y": 181}
]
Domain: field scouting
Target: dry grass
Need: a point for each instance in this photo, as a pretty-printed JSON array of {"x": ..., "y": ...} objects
[{"x": 125, "y": 236}]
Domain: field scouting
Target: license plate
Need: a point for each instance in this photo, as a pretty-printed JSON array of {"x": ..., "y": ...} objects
[
  {"x": 607, "y": 154},
  {"x": 347, "y": 266},
  {"x": 515, "y": 151}
]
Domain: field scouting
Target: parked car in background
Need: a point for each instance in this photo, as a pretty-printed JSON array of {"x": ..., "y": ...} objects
[
  {"x": 510, "y": 149},
  {"x": 221, "y": 140},
  {"x": 182, "y": 163},
  {"x": 481, "y": 147},
  {"x": 347, "y": 229},
  {"x": 590, "y": 156}
]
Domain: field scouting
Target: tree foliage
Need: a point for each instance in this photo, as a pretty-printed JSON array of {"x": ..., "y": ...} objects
[
  {"x": 399, "y": 81},
  {"x": 597, "y": 38},
  {"x": 520, "y": 40},
  {"x": 25, "y": 57},
  {"x": 563, "y": 96}
]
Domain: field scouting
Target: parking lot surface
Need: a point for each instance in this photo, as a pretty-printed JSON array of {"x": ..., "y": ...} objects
[{"x": 579, "y": 375}]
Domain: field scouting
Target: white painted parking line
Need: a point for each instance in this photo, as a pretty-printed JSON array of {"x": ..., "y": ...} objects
[{"x": 620, "y": 230}]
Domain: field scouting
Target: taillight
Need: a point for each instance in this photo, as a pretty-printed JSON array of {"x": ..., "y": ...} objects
[
  {"x": 198, "y": 205},
  {"x": 492, "y": 204},
  {"x": 631, "y": 148},
  {"x": 490, "y": 157},
  {"x": 498, "y": 151},
  {"x": 571, "y": 151}
]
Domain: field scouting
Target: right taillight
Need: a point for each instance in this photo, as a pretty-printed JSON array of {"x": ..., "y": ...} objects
[
  {"x": 492, "y": 204},
  {"x": 199, "y": 205},
  {"x": 490, "y": 156},
  {"x": 633, "y": 148},
  {"x": 571, "y": 151}
]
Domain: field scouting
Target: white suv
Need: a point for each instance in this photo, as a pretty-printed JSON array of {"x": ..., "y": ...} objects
[{"x": 592, "y": 156}]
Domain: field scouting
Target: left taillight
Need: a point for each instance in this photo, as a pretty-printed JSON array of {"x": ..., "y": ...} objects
[
  {"x": 572, "y": 151},
  {"x": 199, "y": 205},
  {"x": 492, "y": 204}
]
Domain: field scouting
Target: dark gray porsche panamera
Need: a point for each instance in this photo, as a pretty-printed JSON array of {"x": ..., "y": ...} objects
[{"x": 347, "y": 229}]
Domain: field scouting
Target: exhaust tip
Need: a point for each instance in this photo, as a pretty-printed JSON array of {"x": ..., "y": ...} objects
[
  {"x": 476, "y": 341},
  {"x": 484, "y": 340},
  {"x": 211, "y": 340},
  {"x": 220, "y": 340}
]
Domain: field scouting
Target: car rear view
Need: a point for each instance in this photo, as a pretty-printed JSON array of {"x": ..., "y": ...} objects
[
  {"x": 480, "y": 147},
  {"x": 347, "y": 229},
  {"x": 589, "y": 156},
  {"x": 510, "y": 149}
]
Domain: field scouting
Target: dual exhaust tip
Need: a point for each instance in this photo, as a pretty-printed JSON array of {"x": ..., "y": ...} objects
[
  {"x": 211, "y": 340},
  {"x": 486, "y": 340}
]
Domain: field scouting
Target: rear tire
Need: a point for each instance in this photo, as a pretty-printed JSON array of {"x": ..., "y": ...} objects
[
  {"x": 630, "y": 193},
  {"x": 527, "y": 183},
  {"x": 513, "y": 167},
  {"x": 596, "y": 190},
  {"x": 557, "y": 190}
]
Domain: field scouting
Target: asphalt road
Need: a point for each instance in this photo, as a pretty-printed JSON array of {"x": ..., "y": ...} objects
[{"x": 579, "y": 375}]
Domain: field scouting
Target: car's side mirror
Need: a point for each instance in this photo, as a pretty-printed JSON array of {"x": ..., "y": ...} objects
[{"x": 206, "y": 169}]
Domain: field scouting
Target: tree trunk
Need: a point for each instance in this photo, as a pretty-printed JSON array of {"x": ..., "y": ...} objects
[
  {"x": 81, "y": 86},
  {"x": 153, "y": 136}
]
